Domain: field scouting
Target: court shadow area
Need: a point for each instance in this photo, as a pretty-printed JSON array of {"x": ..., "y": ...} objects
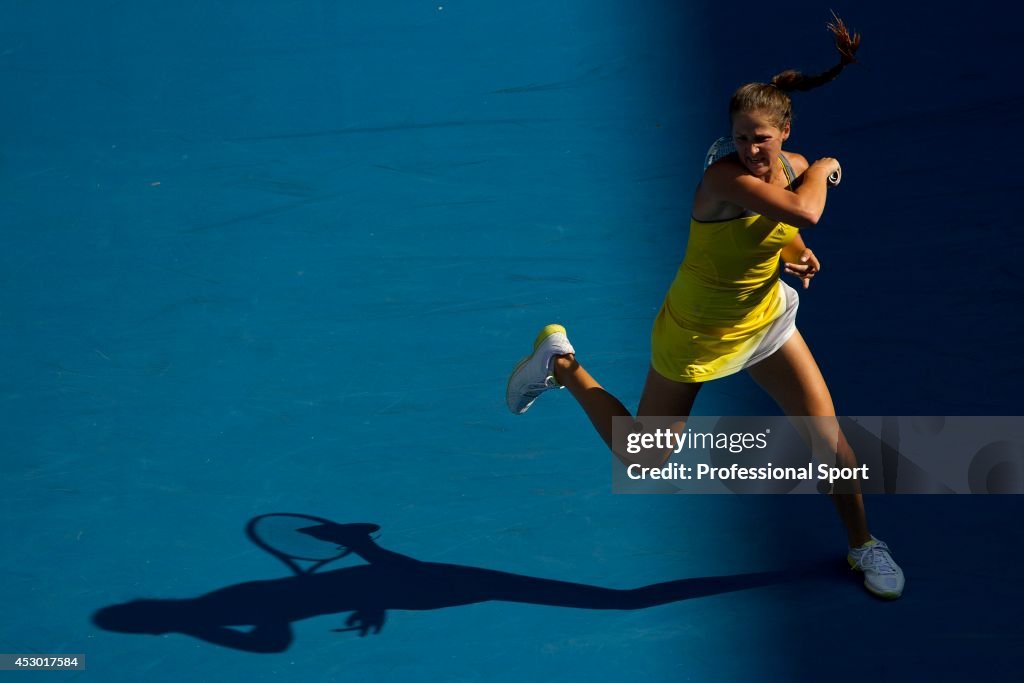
[{"x": 256, "y": 616}]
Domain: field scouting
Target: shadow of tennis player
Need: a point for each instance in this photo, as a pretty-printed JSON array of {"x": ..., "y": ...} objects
[{"x": 389, "y": 581}]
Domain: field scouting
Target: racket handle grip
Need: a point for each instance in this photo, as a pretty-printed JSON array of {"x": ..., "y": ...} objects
[{"x": 835, "y": 177}]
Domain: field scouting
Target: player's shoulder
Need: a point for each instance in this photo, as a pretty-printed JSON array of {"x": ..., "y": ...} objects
[
  {"x": 797, "y": 161},
  {"x": 728, "y": 166}
]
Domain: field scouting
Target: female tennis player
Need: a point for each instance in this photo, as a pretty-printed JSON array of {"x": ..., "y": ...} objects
[{"x": 728, "y": 309}]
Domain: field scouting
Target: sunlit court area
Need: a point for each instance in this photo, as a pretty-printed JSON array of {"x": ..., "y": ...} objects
[{"x": 266, "y": 269}]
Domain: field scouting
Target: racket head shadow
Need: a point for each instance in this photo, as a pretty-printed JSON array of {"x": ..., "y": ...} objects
[{"x": 295, "y": 538}]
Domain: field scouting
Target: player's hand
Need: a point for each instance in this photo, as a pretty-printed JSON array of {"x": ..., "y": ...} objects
[
  {"x": 363, "y": 620},
  {"x": 828, "y": 164},
  {"x": 830, "y": 169},
  {"x": 806, "y": 268}
]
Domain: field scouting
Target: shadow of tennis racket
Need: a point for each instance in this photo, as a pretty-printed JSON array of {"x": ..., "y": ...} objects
[{"x": 305, "y": 543}]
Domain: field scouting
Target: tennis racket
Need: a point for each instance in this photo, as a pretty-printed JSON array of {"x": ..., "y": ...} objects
[
  {"x": 723, "y": 147},
  {"x": 312, "y": 541}
]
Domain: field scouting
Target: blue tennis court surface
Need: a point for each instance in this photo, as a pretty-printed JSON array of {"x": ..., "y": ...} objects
[{"x": 280, "y": 257}]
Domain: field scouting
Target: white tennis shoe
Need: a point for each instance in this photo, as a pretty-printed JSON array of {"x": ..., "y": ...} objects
[
  {"x": 535, "y": 374},
  {"x": 882, "y": 576}
]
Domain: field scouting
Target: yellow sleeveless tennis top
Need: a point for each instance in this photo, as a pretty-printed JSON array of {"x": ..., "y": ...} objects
[{"x": 725, "y": 296}]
